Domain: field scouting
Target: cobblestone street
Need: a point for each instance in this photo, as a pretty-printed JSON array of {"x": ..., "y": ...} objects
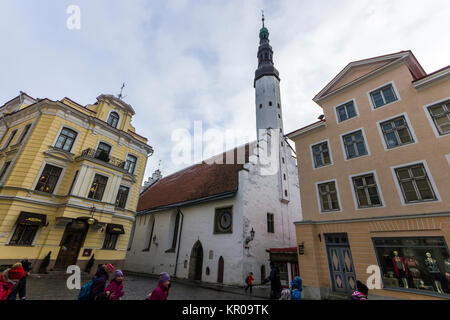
[{"x": 137, "y": 288}]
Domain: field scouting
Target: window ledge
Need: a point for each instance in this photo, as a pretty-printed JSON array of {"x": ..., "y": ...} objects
[{"x": 20, "y": 245}]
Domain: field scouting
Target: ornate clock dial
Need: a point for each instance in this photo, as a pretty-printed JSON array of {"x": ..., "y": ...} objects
[{"x": 225, "y": 221}]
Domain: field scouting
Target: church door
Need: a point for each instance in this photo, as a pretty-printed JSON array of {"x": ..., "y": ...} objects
[
  {"x": 220, "y": 272},
  {"x": 196, "y": 262},
  {"x": 71, "y": 243}
]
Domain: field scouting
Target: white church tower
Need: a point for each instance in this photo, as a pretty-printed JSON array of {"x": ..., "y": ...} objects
[{"x": 269, "y": 117}]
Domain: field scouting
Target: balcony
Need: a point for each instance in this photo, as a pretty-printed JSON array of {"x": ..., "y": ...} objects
[{"x": 102, "y": 157}]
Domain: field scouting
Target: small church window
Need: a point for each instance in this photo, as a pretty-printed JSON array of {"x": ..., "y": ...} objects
[
  {"x": 279, "y": 117},
  {"x": 260, "y": 106},
  {"x": 278, "y": 106},
  {"x": 270, "y": 103},
  {"x": 284, "y": 176},
  {"x": 285, "y": 193},
  {"x": 282, "y": 159}
]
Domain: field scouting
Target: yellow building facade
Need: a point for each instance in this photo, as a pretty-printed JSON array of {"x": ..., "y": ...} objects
[
  {"x": 70, "y": 178},
  {"x": 374, "y": 177}
]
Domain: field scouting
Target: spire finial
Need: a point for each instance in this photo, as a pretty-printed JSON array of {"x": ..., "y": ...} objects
[
  {"x": 262, "y": 18},
  {"x": 120, "y": 95}
]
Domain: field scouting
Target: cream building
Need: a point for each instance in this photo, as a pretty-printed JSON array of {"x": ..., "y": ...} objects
[{"x": 375, "y": 181}]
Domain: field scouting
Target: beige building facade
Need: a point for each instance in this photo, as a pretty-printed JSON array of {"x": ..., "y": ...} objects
[{"x": 374, "y": 178}]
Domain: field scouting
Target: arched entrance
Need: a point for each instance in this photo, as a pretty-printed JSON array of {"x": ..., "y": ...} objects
[
  {"x": 71, "y": 243},
  {"x": 196, "y": 262},
  {"x": 220, "y": 271}
]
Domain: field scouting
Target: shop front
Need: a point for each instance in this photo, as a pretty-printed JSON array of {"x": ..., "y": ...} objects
[{"x": 286, "y": 260}]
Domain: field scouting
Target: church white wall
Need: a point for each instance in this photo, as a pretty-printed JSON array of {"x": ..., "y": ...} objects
[
  {"x": 268, "y": 89},
  {"x": 198, "y": 224}
]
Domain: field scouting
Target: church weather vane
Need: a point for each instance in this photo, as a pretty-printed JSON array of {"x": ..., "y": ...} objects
[{"x": 120, "y": 95}]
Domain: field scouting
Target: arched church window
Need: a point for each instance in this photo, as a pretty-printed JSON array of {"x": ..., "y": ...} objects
[
  {"x": 113, "y": 119},
  {"x": 266, "y": 55},
  {"x": 278, "y": 106}
]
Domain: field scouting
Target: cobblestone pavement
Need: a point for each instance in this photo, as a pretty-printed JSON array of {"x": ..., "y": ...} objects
[{"x": 135, "y": 288}]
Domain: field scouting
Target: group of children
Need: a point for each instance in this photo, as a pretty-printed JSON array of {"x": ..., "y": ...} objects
[{"x": 13, "y": 281}]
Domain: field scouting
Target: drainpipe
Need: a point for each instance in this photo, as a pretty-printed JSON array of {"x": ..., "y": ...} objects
[{"x": 179, "y": 244}]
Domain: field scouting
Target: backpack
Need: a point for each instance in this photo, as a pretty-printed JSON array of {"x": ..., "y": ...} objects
[
  {"x": 246, "y": 280},
  {"x": 296, "y": 294},
  {"x": 85, "y": 291}
]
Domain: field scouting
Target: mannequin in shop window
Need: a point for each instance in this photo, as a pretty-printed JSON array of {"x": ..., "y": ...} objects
[
  {"x": 413, "y": 267},
  {"x": 400, "y": 268},
  {"x": 434, "y": 271}
]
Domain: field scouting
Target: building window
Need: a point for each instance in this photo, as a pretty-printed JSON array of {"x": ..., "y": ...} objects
[
  {"x": 321, "y": 154},
  {"x": 98, "y": 187},
  {"x": 122, "y": 196},
  {"x": 150, "y": 236},
  {"x": 415, "y": 184},
  {"x": 102, "y": 152},
  {"x": 130, "y": 163},
  {"x": 346, "y": 111},
  {"x": 415, "y": 264},
  {"x": 270, "y": 223},
  {"x": 328, "y": 196},
  {"x": 270, "y": 103},
  {"x": 396, "y": 132},
  {"x": 66, "y": 139},
  {"x": 4, "y": 169},
  {"x": 383, "y": 96},
  {"x": 260, "y": 106},
  {"x": 278, "y": 105},
  {"x": 24, "y": 133},
  {"x": 223, "y": 220},
  {"x": 284, "y": 176},
  {"x": 175, "y": 231},
  {"x": 48, "y": 179},
  {"x": 11, "y": 137},
  {"x": 110, "y": 241},
  {"x": 366, "y": 191},
  {"x": 441, "y": 116},
  {"x": 354, "y": 144},
  {"x": 113, "y": 119},
  {"x": 24, "y": 235}
]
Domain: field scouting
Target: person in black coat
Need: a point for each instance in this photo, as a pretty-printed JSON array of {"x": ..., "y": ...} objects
[
  {"x": 100, "y": 279},
  {"x": 275, "y": 282}
]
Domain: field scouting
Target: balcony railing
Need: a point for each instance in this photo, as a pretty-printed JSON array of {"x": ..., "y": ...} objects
[{"x": 102, "y": 156}]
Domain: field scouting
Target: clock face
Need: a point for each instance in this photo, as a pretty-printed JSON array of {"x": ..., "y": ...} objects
[{"x": 225, "y": 221}]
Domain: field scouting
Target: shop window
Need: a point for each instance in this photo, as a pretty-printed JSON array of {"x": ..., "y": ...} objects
[
  {"x": 27, "y": 226},
  {"x": 383, "y": 96},
  {"x": 354, "y": 144},
  {"x": 113, "y": 231},
  {"x": 441, "y": 116},
  {"x": 122, "y": 196},
  {"x": 328, "y": 196},
  {"x": 130, "y": 164},
  {"x": 98, "y": 187},
  {"x": 396, "y": 132},
  {"x": 113, "y": 119},
  {"x": 48, "y": 179},
  {"x": 415, "y": 184},
  {"x": 321, "y": 154},
  {"x": 366, "y": 191},
  {"x": 419, "y": 264},
  {"x": 270, "y": 223},
  {"x": 66, "y": 139}
]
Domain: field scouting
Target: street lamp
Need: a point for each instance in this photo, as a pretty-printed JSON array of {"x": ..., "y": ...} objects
[
  {"x": 91, "y": 220},
  {"x": 252, "y": 236}
]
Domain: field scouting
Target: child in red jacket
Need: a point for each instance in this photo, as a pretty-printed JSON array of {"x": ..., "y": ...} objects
[
  {"x": 114, "y": 291},
  {"x": 9, "y": 279}
]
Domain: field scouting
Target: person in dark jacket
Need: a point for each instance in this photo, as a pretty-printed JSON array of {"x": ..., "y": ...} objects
[
  {"x": 100, "y": 279},
  {"x": 361, "y": 293},
  {"x": 275, "y": 282},
  {"x": 21, "y": 287}
]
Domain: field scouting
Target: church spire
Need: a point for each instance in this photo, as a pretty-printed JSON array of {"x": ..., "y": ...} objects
[{"x": 265, "y": 55}]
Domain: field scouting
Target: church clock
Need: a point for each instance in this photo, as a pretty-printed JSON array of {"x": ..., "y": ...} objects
[{"x": 223, "y": 220}]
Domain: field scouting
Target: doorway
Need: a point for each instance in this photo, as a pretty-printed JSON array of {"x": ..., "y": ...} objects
[
  {"x": 71, "y": 243},
  {"x": 340, "y": 262},
  {"x": 196, "y": 262},
  {"x": 220, "y": 271}
]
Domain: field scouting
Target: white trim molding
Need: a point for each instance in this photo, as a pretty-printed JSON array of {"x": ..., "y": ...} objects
[
  {"x": 380, "y": 193},
  {"x": 430, "y": 178},
  {"x": 337, "y": 192},
  {"x": 410, "y": 127}
]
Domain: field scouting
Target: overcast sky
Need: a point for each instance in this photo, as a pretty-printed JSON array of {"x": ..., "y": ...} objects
[{"x": 185, "y": 61}]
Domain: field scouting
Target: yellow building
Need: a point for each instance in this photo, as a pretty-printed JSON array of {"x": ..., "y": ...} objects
[
  {"x": 374, "y": 178},
  {"x": 70, "y": 178}
]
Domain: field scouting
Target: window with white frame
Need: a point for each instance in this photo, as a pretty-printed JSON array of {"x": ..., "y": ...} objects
[
  {"x": 122, "y": 196},
  {"x": 98, "y": 187},
  {"x": 66, "y": 139},
  {"x": 321, "y": 154},
  {"x": 440, "y": 114},
  {"x": 328, "y": 196},
  {"x": 396, "y": 132},
  {"x": 366, "y": 191},
  {"x": 354, "y": 144},
  {"x": 130, "y": 163},
  {"x": 383, "y": 96},
  {"x": 113, "y": 119},
  {"x": 346, "y": 111},
  {"x": 415, "y": 183},
  {"x": 48, "y": 179}
]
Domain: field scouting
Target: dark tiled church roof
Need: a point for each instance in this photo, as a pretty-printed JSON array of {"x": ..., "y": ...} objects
[{"x": 196, "y": 182}]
